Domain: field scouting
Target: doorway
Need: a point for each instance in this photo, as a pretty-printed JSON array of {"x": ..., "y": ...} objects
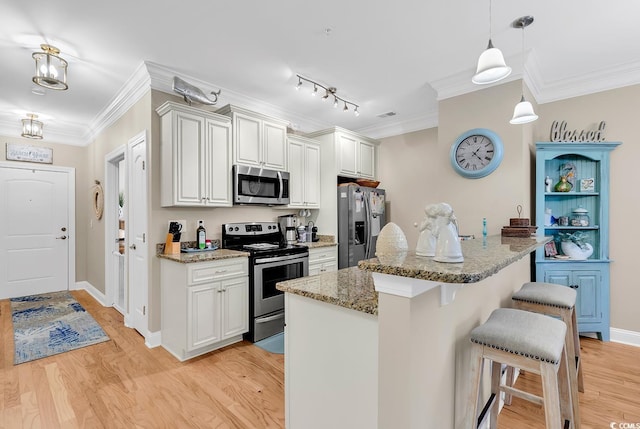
[
  {"x": 37, "y": 229},
  {"x": 126, "y": 247}
]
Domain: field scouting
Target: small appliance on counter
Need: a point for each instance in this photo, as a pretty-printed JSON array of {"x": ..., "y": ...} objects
[{"x": 288, "y": 225}]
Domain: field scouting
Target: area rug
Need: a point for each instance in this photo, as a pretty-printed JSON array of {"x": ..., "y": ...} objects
[
  {"x": 272, "y": 344},
  {"x": 49, "y": 324}
]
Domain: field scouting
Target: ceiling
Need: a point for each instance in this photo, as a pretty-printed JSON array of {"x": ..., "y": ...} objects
[{"x": 384, "y": 56}]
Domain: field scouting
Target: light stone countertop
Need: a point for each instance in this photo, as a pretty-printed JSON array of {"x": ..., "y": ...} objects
[
  {"x": 209, "y": 255},
  {"x": 350, "y": 288},
  {"x": 481, "y": 260},
  {"x": 317, "y": 244}
]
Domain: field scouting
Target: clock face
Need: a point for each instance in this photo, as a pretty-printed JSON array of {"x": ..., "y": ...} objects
[{"x": 476, "y": 153}]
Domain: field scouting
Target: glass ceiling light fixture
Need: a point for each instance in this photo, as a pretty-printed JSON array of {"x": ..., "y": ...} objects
[
  {"x": 51, "y": 70},
  {"x": 491, "y": 66},
  {"x": 31, "y": 128},
  {"x": 523, "y": 112},
  {"x": 330, "y": 91}
]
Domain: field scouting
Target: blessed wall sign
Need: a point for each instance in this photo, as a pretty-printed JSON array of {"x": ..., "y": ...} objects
[{"x": 560, "y": 133}]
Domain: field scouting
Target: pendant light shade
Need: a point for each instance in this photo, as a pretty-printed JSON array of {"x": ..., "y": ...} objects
[
  {"x": 491, "y": 66},
  {"x": 523, "y": 113},
  {"x": 31, "y": 128},
  {"x": 51, "y": 70}
]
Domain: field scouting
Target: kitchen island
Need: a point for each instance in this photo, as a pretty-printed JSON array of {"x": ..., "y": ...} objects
[{"x": 405, "y": 363}]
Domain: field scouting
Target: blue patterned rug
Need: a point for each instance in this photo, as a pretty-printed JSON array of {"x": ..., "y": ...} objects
[{"x": 52, "y": 323}]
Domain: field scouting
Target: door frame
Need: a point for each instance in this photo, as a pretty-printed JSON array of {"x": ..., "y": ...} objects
[
  {"x": 110, "y": 206},
  {"x": 71, "y": 210}
]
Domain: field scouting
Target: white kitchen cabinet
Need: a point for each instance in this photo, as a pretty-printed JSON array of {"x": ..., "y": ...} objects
[
  {"x": 258, "y": 140},
  {"x": 304, "y": 173},
  {"x": 195, "y": 157},
  {"x": 205, "y": 305},
  {"x": 356, "y": 156},
  {"x": 323, "y": 259}
]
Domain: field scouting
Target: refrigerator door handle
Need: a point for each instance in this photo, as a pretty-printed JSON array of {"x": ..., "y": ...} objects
[{"x": 367, "y": 212}]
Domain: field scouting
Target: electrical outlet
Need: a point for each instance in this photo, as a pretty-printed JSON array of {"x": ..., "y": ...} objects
[{"x": 184, "y": 229}]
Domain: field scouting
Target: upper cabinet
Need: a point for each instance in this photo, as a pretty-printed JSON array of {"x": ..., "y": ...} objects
[
  {"x": 353, "y": 155},
  {"x": 195, "y": 157},
  {"x": 304, "y": 171},
  {"x": 258, "y": 140}
]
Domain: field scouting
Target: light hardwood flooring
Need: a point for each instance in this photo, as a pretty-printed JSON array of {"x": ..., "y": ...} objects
[{"x": 123, "y": 384}]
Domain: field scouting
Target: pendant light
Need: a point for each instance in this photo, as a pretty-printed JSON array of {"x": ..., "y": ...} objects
[
  {"x": 31, "y": 128},
  {"x": 51, "y": 70},
  {"x": 523, "y": 112},
  {"x": 491, "y": 65}
]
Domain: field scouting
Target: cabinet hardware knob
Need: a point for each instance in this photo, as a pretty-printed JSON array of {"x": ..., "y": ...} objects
[
  {"x": 574, "y": 286},
  {"x": 133, "y": 246}
]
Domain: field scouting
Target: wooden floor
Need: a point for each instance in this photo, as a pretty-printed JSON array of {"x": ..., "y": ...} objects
[{"x": 123, "y": 384}]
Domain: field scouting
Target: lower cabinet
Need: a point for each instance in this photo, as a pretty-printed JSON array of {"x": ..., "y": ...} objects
[
  {"x": 322, "y": 260},
  {"x": 589, "y": 281},
  {"x": 205, "y": 305}
]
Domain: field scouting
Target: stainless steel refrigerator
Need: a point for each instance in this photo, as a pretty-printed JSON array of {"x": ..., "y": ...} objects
[{"x": 361, "y": 215}]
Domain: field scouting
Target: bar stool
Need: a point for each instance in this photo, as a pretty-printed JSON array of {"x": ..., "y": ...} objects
[
  {"x": 529, "y": 341},
  {"x": 560, "y": 301}
]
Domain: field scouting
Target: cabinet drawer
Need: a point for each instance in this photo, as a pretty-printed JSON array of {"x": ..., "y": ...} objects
[
  {"x": 207, "y": 272},
  {"x": 322, "y": 255}
]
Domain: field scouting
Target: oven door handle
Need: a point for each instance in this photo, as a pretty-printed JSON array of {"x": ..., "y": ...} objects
[
  {"x": 287, "y": 258},
  {"x": 270, "y": 318}
]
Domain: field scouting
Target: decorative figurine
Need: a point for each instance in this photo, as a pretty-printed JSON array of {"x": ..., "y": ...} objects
[
  {"x": 547, "y": 183},
  {"x": 427, "y": 241},
  {"x": 448, "y": 247}
]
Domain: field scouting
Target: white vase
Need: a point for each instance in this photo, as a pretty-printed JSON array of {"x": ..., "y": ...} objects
[{"x": 574, "y": 251}]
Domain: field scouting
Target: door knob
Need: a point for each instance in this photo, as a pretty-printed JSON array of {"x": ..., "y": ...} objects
[
  {"x": 64, "y": 237},
  {"x": 133, "y": 246}
]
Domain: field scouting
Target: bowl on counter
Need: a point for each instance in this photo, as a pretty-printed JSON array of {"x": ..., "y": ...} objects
[{"x": 368, "y": 183}]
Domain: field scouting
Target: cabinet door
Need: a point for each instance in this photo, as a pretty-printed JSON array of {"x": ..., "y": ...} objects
[
  {"x": 330, "y": 266},
  {"x": 367, "y": 160},
  {"x": 203, "y": 325},
  {"x": 274, "y": 150},
  {"x": 296, "y": 174},
  {"x": 188, "y": 135},
  {"x": 347, "y": 155},
  {"x": 247, "y": 139},
  {"x": 315, "y": 269},
  {"x": 235, "y": 307},
  {"x": 217, "y": 152},
  {"x": 589, "y": 300},
  {"x": 312, "y": 176}
]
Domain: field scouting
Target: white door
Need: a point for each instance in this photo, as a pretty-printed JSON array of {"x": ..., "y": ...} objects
[
  {"x": 137, "y": 234},
  {"x": 34, "y": 231}
]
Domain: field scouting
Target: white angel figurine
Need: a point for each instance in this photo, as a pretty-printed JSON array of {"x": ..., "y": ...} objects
[
  {"x": 448, "y": 247},
  {"x": 426, "y": 240}
]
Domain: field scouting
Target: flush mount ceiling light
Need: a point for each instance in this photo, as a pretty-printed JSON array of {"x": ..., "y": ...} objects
[
  {"x": 523, "y": 112},
  {"x": 51, "y": 70},
  {"x": 329, "y": 91},
  {"x": 31, "y": 128},
  {"x": 491, "y": 66}
]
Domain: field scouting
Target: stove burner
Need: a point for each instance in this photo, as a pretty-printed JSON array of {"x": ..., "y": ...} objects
[{"x": 261, "y": 246}]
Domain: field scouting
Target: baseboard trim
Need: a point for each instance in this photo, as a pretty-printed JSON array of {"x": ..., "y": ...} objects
[
  {"x": 95, "y": 293},
  {"x": 153, "y": 339},
  {"x": 625, "y": 337}
]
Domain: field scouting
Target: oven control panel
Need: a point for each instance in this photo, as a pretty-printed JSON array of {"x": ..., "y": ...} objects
[{"x": 252, "y": 228}]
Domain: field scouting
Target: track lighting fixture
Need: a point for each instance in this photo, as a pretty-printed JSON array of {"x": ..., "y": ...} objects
[{"x": 329, "y": 91}]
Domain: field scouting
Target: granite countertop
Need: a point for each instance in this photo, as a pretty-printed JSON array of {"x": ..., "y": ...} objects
[
  {"x": 350, "y": 288},
  {"x": 317, "y": 244},
  {"x": 209, "y": 255},
  {"x": 482, "y": 258}
]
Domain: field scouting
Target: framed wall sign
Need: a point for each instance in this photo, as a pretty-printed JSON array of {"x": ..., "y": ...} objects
[
  {"x": 587, "y": 185},
  {"x": 18, "y": 152}
]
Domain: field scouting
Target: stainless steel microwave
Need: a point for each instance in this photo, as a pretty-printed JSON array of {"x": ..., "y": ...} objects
[{"x": 256, "y": 185}]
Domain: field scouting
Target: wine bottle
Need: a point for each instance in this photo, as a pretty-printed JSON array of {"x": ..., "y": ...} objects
[{"x": 201, "y": 235}]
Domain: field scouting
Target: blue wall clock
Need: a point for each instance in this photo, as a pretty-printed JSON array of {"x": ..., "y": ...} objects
[{"x": 476, "y": 153}]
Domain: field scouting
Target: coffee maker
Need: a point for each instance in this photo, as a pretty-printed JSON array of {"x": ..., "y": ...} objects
[{"x": 288, "y": 225}]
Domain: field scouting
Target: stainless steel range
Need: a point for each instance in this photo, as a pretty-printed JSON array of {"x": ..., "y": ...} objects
[{"x": 270, "y": 261}]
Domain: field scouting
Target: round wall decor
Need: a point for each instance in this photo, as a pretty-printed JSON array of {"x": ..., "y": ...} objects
[{"x": 97, "y": 197}]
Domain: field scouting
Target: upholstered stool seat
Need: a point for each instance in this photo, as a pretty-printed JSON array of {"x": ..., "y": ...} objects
[
  {"x": 526, "y": 340},
  {"x": 555, "y": 300}
]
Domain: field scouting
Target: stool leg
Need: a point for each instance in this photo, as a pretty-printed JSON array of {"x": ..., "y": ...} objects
[
  {"x": 496, "y": 375},
  {"x": 510, "y": 381},
  {"x": 567, "y": 389},
  {"x": 576, "y": 343},
  {"x": 470, "y": 420},
  {"x": 551, "y": 396}
]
